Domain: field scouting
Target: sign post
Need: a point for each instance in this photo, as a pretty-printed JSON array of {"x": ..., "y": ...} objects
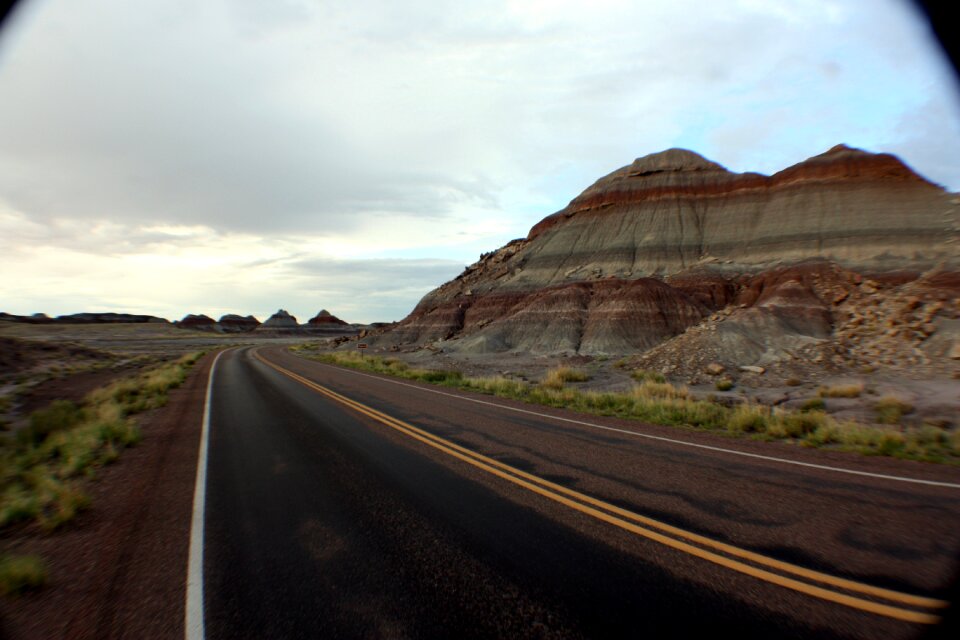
[{"x": 360, "y": 347}]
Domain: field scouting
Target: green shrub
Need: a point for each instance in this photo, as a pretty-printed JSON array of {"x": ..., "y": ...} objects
[
  {"x": 827, "y": 433},
  {"x": 724, "y": 384},
  {"x": 441, "y": 376},
  {"x": 396, "y": 364},
  {"x": 642, "y": 375},
  {"x": 890, "y": 409},
  {"x": 928, "y": 435},
  {"x": 21, "y": 573},
  {"x": 59, "y": 416},
  {"x": 66, "y": 500},
  {"x": 890, "y": 444},
  {"x": 813, "y": 404},
  {"x": 66, "y": 441},
  {"x": 749, "y": 418},
  {"x": 797, "y": 425},
  {"x": 18, "y": 503}
]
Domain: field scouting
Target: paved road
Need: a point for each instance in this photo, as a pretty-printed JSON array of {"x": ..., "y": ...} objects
[{"x": 345, "y": 505}]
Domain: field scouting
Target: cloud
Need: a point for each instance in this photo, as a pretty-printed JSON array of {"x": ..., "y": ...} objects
[
  {"x": 306, "y": 131},
  {"x": 922, "y": 139},
  {"x": 170, "y": 271}
]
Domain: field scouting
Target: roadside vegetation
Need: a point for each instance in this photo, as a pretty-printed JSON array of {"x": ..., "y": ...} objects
[
  {"x": 841, "y": 391},
  {"x": 556, "y": 378},
  {"x": 890, "y": 409},
  {"x": 723, "y": 384},
  {"x": 642, "y": 375},
  {"x": 19, "y": 573},
  {"x": 42, "y": 465},
  {"x": 656, "y": 401}
]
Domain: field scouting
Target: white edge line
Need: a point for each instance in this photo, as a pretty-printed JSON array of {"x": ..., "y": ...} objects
[
  {"x": 194, "y": 629},
  {"x": 868, "y": 474}
]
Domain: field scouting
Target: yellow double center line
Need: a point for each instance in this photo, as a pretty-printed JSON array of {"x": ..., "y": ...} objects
[{"x": 655, "y": 530}]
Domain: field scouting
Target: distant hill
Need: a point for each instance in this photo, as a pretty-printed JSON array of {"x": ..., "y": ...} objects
[{"x": 83, "y": 318}]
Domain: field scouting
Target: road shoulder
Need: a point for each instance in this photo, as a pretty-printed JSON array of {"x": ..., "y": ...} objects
[{"x": 120, "y": 568}]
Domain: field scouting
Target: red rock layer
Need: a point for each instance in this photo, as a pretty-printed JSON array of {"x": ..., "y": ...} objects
[
  {"x": 649, "y": 249},
  {"x": 610, "y": 315}
]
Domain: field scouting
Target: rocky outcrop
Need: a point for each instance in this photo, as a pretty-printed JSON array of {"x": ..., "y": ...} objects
[
  {"x": 607, "y": 316},
  {"x": 280, "y": 320},
  {"x": 199, "y": 322},
  {"x": 674, "y": 242},
  {"x": 326, "y": 319},
  {"x": 233, "y": 323},
  {"x": 840, "y": 321}
]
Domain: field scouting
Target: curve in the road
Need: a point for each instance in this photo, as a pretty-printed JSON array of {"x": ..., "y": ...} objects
[{"x": 649, "y": 528}]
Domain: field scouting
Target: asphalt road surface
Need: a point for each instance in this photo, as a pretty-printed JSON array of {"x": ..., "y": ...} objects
[{"x": 344, "y": 505}]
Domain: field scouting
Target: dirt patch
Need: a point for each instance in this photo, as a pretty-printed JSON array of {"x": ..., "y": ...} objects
[
  {"x": 18, "y": 355},
  {"x": 74, "y": 387}
]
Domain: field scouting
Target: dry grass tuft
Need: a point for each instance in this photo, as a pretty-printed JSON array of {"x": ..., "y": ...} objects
[
  {"x": 642, "y": 375},
  {"x": 749, "y": 418},
  {"x": 660, "y": 390},
  {"x": 890, "y": 409},
  {"x": 556, "y": 378},
  {"x": 841, "y": 391}
]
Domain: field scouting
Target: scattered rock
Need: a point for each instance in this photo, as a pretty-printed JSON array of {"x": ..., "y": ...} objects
[
  {"x": 955, "y": 350},
  {"x": 752, "y": 368}
]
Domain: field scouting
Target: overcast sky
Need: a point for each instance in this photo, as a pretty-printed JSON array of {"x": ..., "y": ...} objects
[{"x": 208, "y": 156}]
